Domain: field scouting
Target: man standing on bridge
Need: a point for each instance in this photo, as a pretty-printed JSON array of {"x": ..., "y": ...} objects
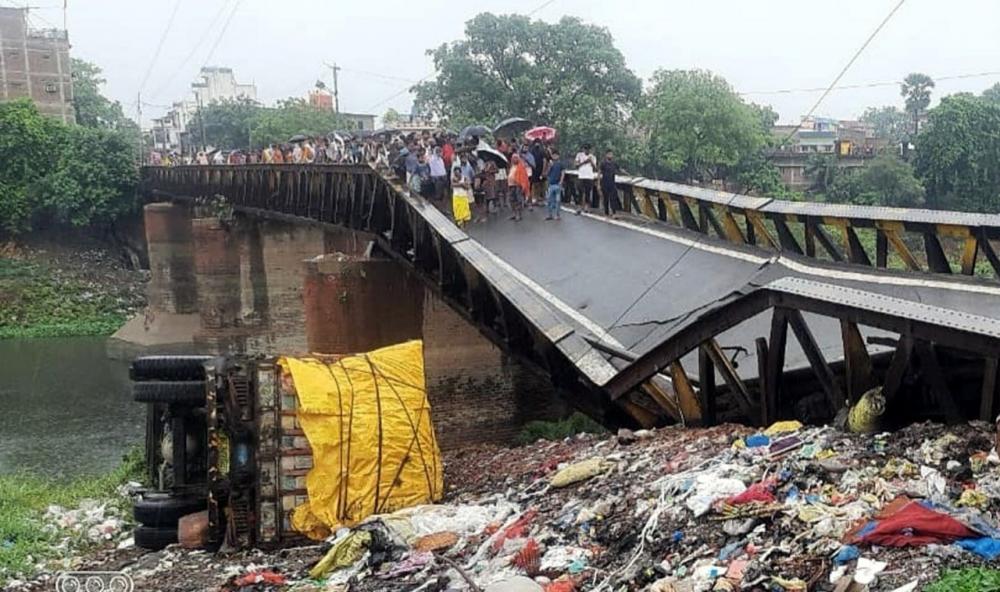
[
  {"x": 585, "y": 165},
  {"x": 553, "y": 197},
  {"x": 609, "y": 191}
]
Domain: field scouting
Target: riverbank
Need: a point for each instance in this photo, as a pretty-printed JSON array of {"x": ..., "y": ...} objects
[
  {"x": 789, "y": 509},
  {"x": 45, "y": 523},
  {"x": 66, "y": 287}
]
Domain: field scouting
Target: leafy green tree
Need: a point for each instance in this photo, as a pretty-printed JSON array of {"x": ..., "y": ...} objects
[
  {"x": 61, "y": 174},
  {"x": 696, "y": 128},
  {"x": 228, "y": 123},
  {"x": 92, "y": 108},
  {"x": 28, "y": 143},
  {"x": 885, "y": 181},
  {"x": 889, "y": 123},
  {"x": 568, "y": 75},
  {"x": 293, "y": 116},
  {"x": 916, "y": 89},
  {"x": 822, "y": 169},
  {"x": 93, "y": 181},
  {"x": 992, "y": 93},
  {"x": 391, "y": 117},
  {"x": 958, "y": 154}
]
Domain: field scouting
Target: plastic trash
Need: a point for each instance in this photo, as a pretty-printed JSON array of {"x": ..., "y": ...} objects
[{"x": 580, "y": 471}]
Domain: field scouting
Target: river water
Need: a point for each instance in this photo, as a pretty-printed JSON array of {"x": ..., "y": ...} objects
[{"x": 65, "y": 407}]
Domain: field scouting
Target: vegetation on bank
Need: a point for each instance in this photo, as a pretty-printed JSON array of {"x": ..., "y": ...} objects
[
  {"x": 25, "y": 539},
  {"x": 40, "y": 302},
  {"x": 971, "y": 579},
  {"x": 577, "y": 423}
]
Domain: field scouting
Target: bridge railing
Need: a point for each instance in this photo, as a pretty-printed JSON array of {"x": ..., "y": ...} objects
[{"x": 934, "y": 241}]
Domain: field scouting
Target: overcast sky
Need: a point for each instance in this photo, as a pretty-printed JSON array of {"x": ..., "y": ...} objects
[{"x": 758, "y": 45}]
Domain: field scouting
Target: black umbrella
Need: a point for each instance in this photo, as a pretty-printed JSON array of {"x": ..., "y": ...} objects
[
  {"x": 297, "y": 138},
  {"x": 487, "y": 152},
  {"x": 509, "y": 128},
  {"x": 477, "y": 131}
]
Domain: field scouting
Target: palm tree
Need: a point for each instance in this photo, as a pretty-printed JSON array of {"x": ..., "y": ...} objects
[{"x": 916, "y": 89}]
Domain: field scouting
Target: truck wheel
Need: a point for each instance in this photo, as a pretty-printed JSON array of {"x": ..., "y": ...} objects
[
  {"x": 164, "y": 510},
  {"x": 168, "y": 368},
  {"x": 154, "y": 538},
  {"x": 182, "y": 391}
]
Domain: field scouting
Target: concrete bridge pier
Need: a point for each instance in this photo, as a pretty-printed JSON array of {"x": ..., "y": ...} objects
[
  {"x": 217, "y": 269},
  {"x": 477, "y": 392}
]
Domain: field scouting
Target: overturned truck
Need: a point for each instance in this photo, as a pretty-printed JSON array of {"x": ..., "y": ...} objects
[{"x": 232, "y": 444}]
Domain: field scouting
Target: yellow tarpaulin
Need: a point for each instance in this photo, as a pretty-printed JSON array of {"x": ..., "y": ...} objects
[{"x": 368, "y": 423}]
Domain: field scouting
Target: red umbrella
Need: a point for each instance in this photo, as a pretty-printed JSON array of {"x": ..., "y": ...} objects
[{"x": 542, "y": 133}]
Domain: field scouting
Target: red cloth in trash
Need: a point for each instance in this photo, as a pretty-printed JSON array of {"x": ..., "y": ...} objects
[
  {"x": 912, "y": 524},
  {"x": 758, "y": 492},
  {"x": 516, "y": 530}
]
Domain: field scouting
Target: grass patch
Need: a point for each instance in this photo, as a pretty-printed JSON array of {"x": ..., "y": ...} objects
[
  {"x": 577, "y": 423},
  {"x": 37, "y": 302},
  {"x": 971, "y": 579},
  {"x": 24, "y": 542}
]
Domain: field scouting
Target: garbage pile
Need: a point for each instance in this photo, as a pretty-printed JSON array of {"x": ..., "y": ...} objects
[{"x": 788, "y": 508}]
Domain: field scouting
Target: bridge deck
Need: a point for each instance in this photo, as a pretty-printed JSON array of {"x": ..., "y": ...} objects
[{"x": 609, "y": 276}]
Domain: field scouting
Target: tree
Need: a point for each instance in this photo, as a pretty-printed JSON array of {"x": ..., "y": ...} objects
[
  {"x": 992, "y": 93},
  {"x": 696, "y": 128},
  {"x": 916, "y": 89},
  {"x": 228, "y": 123},
  {"x": 888, "y": 122},
  {"x": 92, "y": 108},
  {"x": 28, "y": 142},
  {"x": 391, "y": 117},
  {"x": 93, "y": 181},
  {"x": 293, "y": 116},
  {"x": 61, "y": 174},
  {"x": 822, "y": 169},
  {"x": 568, "y": 75},
  {"x": 958, "y": 154}
]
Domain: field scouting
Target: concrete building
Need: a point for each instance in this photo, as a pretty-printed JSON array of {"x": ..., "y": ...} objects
[
  {"x": 321, "y": 99},
  {"x": 358, "y": 122},
  {"x": 35, "y": 64},
  {"x": 170, "y": 132},
  {"x": 851, "y": 142}
]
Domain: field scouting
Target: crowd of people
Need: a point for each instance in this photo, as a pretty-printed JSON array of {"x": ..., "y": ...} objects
[{"x": 476, "y": 178}]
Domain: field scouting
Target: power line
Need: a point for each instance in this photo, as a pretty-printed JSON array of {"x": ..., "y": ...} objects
[
  {"x": 159, "y": 45},
  {"x": 688, "y": 249},
  {"x": 786, "y": 91},
  {"x": 194, "y": 50},
  {"x": 222, "y": 33}
]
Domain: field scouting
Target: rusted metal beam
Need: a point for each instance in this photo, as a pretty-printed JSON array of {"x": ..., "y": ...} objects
[
  {"x": 936, "y": 259},
  {"x": 767, "y": 416},
  {"x": 736, "y": 385},
  {"x": 857, "y": 362},
  {"x": 824, "y": 375},
  {"x": 775, "y": 361},
  {"x": 694, "y": 409},
  {"x": 706, "y": 387},
  {"x": 936, "y": 381},
  {"x": 988, "y": 394}
]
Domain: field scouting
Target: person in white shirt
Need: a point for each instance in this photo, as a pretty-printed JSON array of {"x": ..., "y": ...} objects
[
  {"x": 585, "y": 165},
  {"x": 439, "y": 174}
]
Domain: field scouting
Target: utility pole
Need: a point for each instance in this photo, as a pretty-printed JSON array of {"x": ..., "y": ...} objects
[
  {"x": 201, "y": 120},
  {"x": 142, "y": 138},
  {"x": 336, "y": 96}
]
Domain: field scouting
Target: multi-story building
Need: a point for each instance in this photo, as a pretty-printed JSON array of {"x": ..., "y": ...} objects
[
  {"x": 171, "y": 132},
  {"x": 850, "y": 142},
  {"x": 35, "y": 64}
]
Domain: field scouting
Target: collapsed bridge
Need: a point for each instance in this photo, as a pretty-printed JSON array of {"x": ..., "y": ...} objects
[{"x": 682, "y": 310}]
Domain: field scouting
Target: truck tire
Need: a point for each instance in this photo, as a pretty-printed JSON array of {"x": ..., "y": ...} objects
[
  {"x": 154, "y": 538},
  {"x": 168, "y": 368},
  {"x": 164, "y": 510},
  {"x": 190, "y": 392}
]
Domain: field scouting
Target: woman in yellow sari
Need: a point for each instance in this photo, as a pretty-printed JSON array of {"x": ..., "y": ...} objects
[{"x": 460, "y": 193}]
